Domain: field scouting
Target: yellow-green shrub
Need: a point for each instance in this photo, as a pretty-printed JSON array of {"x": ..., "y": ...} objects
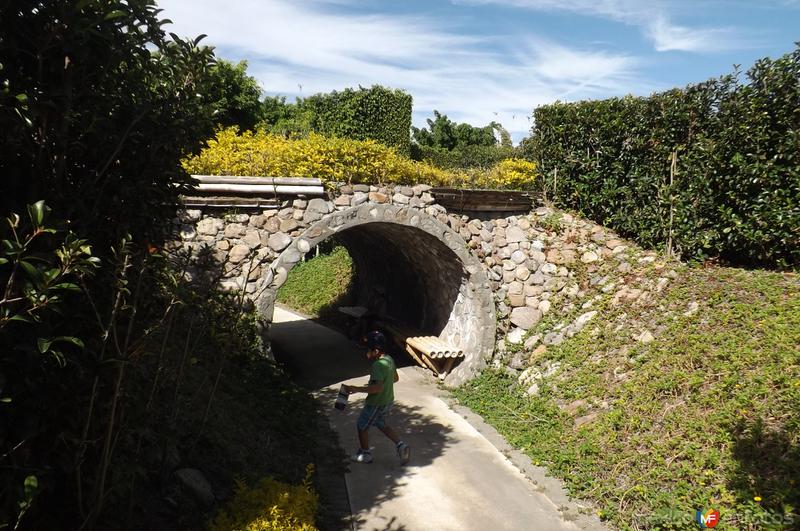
[
  {"x": 328, "y": 158},
  {"x": 513, "y": 174},
  {"x": 270, "y": 506},
  {"x": 342, "y": 160}
]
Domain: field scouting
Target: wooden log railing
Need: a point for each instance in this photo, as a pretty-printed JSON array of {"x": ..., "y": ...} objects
[{"x": 248, "y": 191}]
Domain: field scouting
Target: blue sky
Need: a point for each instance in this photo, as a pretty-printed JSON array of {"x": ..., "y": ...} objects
[{"x": 484, "y": 60}]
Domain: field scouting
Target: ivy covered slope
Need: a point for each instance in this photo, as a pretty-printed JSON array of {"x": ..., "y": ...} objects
[{"x": 702, "y": 413}]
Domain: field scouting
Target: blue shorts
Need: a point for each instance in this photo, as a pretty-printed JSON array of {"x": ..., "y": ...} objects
[{"x": 373, "y": 416}]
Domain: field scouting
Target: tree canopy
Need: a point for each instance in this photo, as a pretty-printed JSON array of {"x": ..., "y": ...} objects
[
  {"x": 443, "y": 133},
  {"x": 98, "y": 104}
]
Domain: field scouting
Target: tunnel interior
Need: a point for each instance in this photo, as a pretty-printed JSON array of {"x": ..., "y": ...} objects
[
  {"x": 412, "y": 270},
  {"x": 404, "y": 274}
]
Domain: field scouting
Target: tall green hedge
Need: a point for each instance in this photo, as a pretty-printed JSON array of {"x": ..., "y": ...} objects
[
  {"x": 377, "y": 113},
  {"x": 481, "y": 157},
  {"x": 735, "y": 190}
]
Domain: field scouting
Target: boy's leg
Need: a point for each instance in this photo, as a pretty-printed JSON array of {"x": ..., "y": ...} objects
[
  {"x": 389, "y": 432},
  {"x": 363, "y": 439}
]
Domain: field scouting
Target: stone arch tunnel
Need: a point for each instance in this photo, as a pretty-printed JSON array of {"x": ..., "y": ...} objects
[{"x": 411, "y": 268}]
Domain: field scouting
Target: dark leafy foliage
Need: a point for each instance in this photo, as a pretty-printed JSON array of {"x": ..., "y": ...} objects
[
  {"x": 479, "y": 157},
  {"x": 97, "y": 105},
  {"x": 711, "y": 170},
  {"x": 377, "y": 113},
  {"x": 234, "y": 96},
  {"x": 445, "y": 134}
]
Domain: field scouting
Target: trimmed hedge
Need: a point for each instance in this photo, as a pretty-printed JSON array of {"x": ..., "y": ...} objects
[
  {"x": 377, "y": 113},
  {"x": 480, "y": 157},
  {"x": 731, "y": 150}
]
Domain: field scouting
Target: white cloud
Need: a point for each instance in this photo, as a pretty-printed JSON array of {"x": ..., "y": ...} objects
[
  {"x": 669, "y": 37},
  {"x": 651, "y": 16},
  {"x": 470, "y": 78}
]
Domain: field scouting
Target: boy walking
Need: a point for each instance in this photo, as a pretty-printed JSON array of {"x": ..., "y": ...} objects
[{"x": 380, "y": 396}]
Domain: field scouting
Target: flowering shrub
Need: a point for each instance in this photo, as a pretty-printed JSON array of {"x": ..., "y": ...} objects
[
  {"x": 270, "y": 506},
  {"x": 328, "y": 158},
  {"x": 333, "y": 159},
  {"x": 514, "y": 174}
]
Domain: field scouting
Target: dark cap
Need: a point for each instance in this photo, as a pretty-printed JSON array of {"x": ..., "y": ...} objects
[{"x": 376, "y": 340}]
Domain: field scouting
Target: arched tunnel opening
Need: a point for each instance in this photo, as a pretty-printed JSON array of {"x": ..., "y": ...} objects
[
  {"x": 410, "y": 270},
  {"x": 408, "y": 276}
]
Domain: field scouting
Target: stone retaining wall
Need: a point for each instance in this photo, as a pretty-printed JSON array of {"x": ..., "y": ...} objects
[{"x": 460, "y": 278}]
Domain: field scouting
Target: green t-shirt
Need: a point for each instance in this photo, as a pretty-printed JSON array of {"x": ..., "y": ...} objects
[{"x": 383, "y": 370}]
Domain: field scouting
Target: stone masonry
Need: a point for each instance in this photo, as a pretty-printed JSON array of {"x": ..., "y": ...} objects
[{"x": 481, "y": 284}]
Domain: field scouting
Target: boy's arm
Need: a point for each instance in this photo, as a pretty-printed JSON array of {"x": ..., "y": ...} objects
[{"x": 369, "y": 389}]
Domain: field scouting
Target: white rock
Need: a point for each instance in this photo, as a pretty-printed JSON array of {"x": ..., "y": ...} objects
[
  {"x": 589, "y": 256},
  {"x": 515, "y": 336},
  {"x": 515, "y": 235},
  {"x": 252, "y": 239},
  {"x": 692, "y": 309},
  {"x": 238, "y": 253},
  {"x": 525, "y": 317},
  {"x": 522, "y": 273},
  {"x": 279, "y": 241},
  {"x": 518, "y": 256},
  {"x": 400, "y": 199},
  {"x": 210, "y": 226}
]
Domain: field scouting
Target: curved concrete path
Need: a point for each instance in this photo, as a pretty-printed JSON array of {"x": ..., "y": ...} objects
[{"x": 457, "y": 478}]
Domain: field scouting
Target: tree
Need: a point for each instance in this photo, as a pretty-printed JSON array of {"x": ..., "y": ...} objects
[
  {"x": 97, "y": 106},
  {"x": 286, "y": 119},
  {"x": 235, "y": 96},
  {"x": 443, "y": 133}
]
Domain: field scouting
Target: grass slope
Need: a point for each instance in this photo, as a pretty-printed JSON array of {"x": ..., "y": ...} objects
[
  {"x": 316, "y": 284},
  {"x": 706, "y": 416}
]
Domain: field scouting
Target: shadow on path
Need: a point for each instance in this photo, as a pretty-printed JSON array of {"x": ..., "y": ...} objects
[
  {"x": 373, "y": 485},
  {"x": 321, "y": 359}
]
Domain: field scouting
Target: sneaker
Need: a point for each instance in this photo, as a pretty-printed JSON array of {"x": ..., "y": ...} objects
[
  {"x": 403, "y": 452},
  {"x": 362, "y": 456}
]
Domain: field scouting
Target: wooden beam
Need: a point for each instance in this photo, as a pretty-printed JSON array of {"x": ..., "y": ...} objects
[
  {"x": 243, "y": 179},
  {"x": 422, "y": 362},
  {"x": 265, "y": 189},
  {"x": 241, "y": 202}
]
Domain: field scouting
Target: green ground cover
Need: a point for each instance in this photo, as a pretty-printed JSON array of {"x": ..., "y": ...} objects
[
  {"x": 318, "y": 283},
  {"x": 707, "y": 416}
]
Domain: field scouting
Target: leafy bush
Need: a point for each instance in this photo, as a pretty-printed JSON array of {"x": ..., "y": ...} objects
[
  {"x": 517, "y": 174},
  {"x": 270, "y": 505},
  {"x": 711, "y": 170},
  {"x": 340, "y": 160},
  {"x": 377, "y": 113},
  {"x": 330, "y": 159},
  {"x": 477, "y": 157},
  {"x": 99, "y": 105}
]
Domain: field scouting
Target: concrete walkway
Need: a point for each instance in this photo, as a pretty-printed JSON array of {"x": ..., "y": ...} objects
[{"x": 456, "y": 480}]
